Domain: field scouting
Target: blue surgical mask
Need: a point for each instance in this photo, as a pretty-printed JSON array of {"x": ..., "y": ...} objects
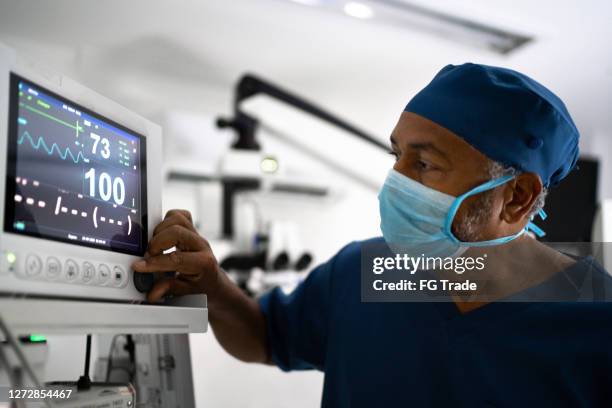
[{"x": 417, "y": 220}]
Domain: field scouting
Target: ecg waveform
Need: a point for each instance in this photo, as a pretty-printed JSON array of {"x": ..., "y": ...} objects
[{"x": 54, "y": 147}]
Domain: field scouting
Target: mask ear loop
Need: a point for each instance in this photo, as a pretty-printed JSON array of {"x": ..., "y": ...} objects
[
  {"x": 539, "y": 232},
  {"x": 489, "y": 185}
]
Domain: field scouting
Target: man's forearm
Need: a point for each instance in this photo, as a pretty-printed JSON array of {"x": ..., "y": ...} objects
[{"x": 238, "y": 322}]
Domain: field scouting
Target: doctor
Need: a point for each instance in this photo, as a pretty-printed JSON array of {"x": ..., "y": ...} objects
[{"x": 475, "y": 152}]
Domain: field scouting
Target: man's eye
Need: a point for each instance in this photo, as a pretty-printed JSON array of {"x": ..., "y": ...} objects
[
  {"x": 394, "y": 154},
  {"x": 423, "y": 165}
]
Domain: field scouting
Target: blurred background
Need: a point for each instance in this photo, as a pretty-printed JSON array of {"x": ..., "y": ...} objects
[{"x": 273, "y": 213}]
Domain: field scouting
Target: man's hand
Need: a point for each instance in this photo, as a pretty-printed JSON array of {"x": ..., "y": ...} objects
[
  {"x": 237, "y": 320},
  {"x": 196, "y": 266}
]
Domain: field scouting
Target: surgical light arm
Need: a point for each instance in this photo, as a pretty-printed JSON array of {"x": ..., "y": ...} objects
[{"x": 246, "y": 126}]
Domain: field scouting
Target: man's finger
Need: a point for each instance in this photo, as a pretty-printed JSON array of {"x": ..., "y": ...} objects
[
  {"x": 188, "y": 263},
  {"x": 175, "y": 219},
  {"x": 176, "y": 211},
  {"x": 170, "y": 286},
  {"x": 175, "y": 236}
]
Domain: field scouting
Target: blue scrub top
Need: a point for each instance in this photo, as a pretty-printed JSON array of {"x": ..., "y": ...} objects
[{"x": 505, "y": 354}]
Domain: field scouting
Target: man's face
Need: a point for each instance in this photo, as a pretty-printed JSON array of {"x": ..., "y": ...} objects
[{"x": 439, "y": 159}]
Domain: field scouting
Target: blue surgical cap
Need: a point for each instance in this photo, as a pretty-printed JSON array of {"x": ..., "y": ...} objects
[{"x": 504, "y": 114}]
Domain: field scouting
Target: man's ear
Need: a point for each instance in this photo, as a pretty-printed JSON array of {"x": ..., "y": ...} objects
[{"x": 519, "y": 197}]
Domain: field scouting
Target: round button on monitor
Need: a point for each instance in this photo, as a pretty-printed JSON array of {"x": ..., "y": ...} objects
[
  {"x": 89, "y": 272},
  {"x": 104, "y": 274},
  {"x": 54, "y": 268},
  {"x": 33, "y": 265},
  {"x": 119, "y": 276},
  {"x": 71, "y": 273},
  {"x": 71, "y": 269}
]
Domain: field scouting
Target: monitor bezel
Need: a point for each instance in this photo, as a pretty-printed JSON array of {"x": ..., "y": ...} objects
[{"x": 11, "y": 163}]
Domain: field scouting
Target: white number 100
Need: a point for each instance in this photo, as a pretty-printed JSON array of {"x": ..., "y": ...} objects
[{"x": 106, "y": 186}]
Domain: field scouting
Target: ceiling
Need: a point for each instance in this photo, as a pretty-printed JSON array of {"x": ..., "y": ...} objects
[{"x": 154, "y": 56}]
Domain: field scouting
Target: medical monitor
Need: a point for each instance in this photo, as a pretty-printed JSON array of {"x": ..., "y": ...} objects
[{"x": 80, "y": 187}]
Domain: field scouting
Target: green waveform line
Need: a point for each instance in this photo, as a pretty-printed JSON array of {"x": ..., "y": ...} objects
[
  {"x": 41, "y": 143},
  {"x": 78, "y": 128}
]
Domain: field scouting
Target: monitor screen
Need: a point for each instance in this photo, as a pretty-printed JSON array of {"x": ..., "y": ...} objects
[{"x": 73, "y": 175}]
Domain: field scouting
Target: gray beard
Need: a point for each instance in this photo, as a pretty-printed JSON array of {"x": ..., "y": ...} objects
[{"x": 469, "y": 229}]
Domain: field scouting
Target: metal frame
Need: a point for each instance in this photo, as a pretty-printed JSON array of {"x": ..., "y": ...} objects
[{"x": 48, "y": 316}]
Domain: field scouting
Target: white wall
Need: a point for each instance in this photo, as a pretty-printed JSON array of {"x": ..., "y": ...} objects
[{"x": 66, "y": 357}]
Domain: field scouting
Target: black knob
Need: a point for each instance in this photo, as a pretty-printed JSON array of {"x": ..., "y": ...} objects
[{"x": 143, "y": 281}]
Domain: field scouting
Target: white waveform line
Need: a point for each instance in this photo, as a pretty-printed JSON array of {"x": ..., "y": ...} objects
[{"x": 58, "y": 204}]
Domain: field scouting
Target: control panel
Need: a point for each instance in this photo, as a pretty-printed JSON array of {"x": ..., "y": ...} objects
[{"x": 49, "y": 268}]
